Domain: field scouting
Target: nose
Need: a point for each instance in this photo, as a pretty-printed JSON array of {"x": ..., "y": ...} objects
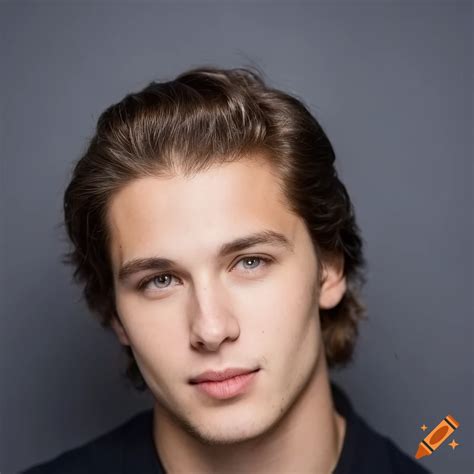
[{"x": 211, "y": 321}]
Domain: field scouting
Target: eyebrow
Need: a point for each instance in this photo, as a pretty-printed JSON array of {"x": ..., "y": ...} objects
[{"x": 163, "y": 264}]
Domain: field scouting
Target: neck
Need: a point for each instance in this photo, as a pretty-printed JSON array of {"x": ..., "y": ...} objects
[{"x": 308, "y": 439}]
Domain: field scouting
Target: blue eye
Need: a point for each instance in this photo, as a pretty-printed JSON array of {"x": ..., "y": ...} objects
[
  {"x": 156, "y": 280},
  {"x": 247, "y": 259}
]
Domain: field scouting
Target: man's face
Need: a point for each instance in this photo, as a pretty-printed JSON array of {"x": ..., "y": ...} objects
[{"x": 211, "y": 312}]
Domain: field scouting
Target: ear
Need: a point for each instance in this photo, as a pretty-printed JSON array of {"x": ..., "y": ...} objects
[
  {"x": 333, "y": 284},
  {"x": 120, "y": 331}
]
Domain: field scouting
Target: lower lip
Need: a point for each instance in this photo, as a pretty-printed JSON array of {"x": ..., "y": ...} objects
[{"x": 227, "y": 388}]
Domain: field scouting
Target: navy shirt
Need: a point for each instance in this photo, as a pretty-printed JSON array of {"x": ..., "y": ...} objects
[{"x": 129, "y": 449}]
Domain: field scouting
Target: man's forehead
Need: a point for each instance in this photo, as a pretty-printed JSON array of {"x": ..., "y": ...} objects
[
  {"x": 240, "y": 186},
  {"x": 218, "y": 206}
]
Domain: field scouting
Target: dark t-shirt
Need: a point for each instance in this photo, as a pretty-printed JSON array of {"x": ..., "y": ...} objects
[{"x": 129, "y": 449}]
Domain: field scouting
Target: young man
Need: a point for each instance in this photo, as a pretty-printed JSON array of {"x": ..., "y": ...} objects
[{"x": 211, "y": 232}]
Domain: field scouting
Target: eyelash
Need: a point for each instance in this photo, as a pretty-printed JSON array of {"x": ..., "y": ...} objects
[{"x": 144, "y": 283}]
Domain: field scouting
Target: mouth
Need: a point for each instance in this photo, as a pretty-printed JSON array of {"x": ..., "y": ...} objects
[
  {"x": 228, "y": 386},
  {"x": 220, "y": 376}
]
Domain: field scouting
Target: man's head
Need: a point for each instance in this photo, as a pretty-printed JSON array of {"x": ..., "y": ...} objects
[
  {"x": 220, "y": 304},
  {"x": 180, "y": 169}
]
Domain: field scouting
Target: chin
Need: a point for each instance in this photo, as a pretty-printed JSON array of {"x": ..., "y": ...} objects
[
  {"x": 233, "y": 436},
  {"x": 229, "y": 430}
]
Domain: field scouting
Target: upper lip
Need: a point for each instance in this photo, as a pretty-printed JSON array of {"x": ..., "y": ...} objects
[{"x": 215, "y": 376}]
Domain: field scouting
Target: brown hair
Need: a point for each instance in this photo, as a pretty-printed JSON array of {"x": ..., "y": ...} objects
[{"x": 207, "y": 116}]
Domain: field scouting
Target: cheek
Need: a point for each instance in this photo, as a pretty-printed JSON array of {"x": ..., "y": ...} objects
[
  {"x": 280, "y": 312},
  {"x": 154, "y": 337}
]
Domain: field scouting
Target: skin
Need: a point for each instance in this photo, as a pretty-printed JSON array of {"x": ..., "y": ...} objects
[{"x": 211, "y": 314}]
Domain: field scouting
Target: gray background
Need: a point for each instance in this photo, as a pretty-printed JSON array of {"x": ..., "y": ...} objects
[{"x": 391, "y": 83}]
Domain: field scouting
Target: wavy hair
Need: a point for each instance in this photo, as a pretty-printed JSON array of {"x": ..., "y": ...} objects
[{"x": 208, "y": 116}]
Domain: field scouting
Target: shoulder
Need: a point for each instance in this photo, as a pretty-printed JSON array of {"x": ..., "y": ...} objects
[
  {"x": 400, "y": 462},
  {"x": 364, "y": 449},
  {"x": 102, "y": 454}
]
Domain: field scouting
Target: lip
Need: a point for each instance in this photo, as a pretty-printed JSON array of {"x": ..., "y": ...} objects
[
  {"x": 228, "y": 387},
  {"x": 215, "y": 376}
]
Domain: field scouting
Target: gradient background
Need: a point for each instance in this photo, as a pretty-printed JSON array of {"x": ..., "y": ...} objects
[{"x": 390, "y": 82}]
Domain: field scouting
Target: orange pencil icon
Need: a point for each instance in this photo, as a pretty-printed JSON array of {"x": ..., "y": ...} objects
[{"x": 437, "y": 436}]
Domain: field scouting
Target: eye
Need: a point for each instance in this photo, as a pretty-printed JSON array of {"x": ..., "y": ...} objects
[
  {"x": 156, "y": 281},
  {"x": 253, "y": 258},
  {"x": 163, "y": 278}
]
